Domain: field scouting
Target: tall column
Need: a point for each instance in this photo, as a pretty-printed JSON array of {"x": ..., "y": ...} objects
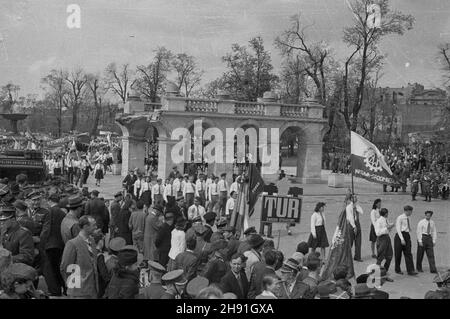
[
  {"x": 165, "y": 160},
  {"x": 312, "y": 164},
  {"x": 133, "y": 154}
]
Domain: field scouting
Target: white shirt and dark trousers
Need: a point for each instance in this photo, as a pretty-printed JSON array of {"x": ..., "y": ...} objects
[
  {"x": 384, "y": 246},
  {"x": 403, "y": 228},
  {"x": 426, "y": 235}
]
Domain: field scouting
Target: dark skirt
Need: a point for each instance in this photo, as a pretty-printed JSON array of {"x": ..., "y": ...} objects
[
  {"x": 321, "y": 240},
  {"x": 372, "y": 235},
  {"x": 99, "y": 174},
  {"x": 146, "y": 198}
]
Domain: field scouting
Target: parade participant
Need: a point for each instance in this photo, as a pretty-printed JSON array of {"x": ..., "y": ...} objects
[
  {"x": 107, "y": 262},
  {"x": 217, "y": 266},
  {"x": 114, "y": 209},
  {"x": 81, "y": 251},
  {"x": 53, "y": 246},
  {"x": 122, "y": 221},
  {"x": 402, "y": 242},
  {"x": 178, "y": 243},
  {"x": 290, "y": 287},
  {"x": 231, "y": 202},
  {"x": 426, "y": 186},
  {"x": 168, "y": 191},
  {"x": 209, "y": 180},
  {"x": 187, "y": 260},
  {"x": 189, "y": 191},
  {"x": 96, "y": 208},
  {"x": 442, "y": 280},
  {"x": 210, "y": 219},
  {"x": 137, "y": 187},
  {"x": 155, "y": 290},
  {"x": 136, "y": 224},
  {"x": 196, "y": 210},
  {"x": 213, "y": 195},
  {"x": 153, "y": 223},
  {"x": 176, "y": 187},
  {"x": 163, "y": 239},
  {"x": 384, "y": 246},
  {"x": 16, "y": 239},
  {"x": 157, "y": 193},
  {"x": 261, "y": 269},
  {"x": 253, "y": 255},
  {"x": 353, "y": 210},
  {"x": 415, "y": 177},
  {"x": 235, "y": 280},
  {"x": 85, "y": 168},
  {"x": 426, "y": 240},
  {"x": 318, "y": 236},
  {"x": 174, "y": 173},
  {"x": 124, "y": 283},
  {"x": 234, "y": 186},
  {"x": 128, "y": 182},
  {"x": 200, "y": 189},
  {"x": 222, "y": 187},
  {"x": 175, "y": 285},
  {"x": 374, "y": 215},
  {"x": 269, "y": 287},
  {"x": 98, "y": 171},
  {"x": 70, "y": 224},
  {"x": 145, "y": 194},
  {"x": 244, "y": 245}
]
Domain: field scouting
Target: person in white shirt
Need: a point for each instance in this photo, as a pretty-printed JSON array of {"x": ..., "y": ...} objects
[
  {"x": 374, "y": 215},
  {"x": 402, "y": 242},
  {"x": 98, "y": 170},
  {"x": 222, "y": 186},
  {"x": 177, "y": 243},
  {"x": 208, "y": 182},
  {"x": 196, "y": 210},
  {"x": 176, "y": 184},
  {"x": 145, "y": 191},
  {"x": 318, "y": 236},
  {"x": 137, "y": 187},
  {"x": 169, "y": 190},
  {"x": 426, "y": 240},
  {"x": 231, "y": 202},
  {"x": 384, "y": 246},
  {"x": 200, "y": 189},
  {"x": 189, "y": 191},
  {"x": 234, "y": 186},
  {"x": 157, "y": 193},
  {"x": 213, "y": 195},
  {"x": 353, "y": 210}
]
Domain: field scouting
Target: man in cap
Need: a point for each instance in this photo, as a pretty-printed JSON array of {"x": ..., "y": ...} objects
[
  {"x": 18, "y": 240},
  {"x": 17, "y": 281},
  {"x": 217, "y": 266},
  {"x": 155, "y": 290},
  {"x": 174, "y": 173},
  {"x": 254, "y": 254},
  {"x": 235, "y": 280},
  {"x": 69, "y": 225},
  {"x": 442, "y": 280},
  {"x": 115, "y": 208},
  {"x": 53, "y": 245},
  {"x": 402, "y": 242},
  {"x": 37, "y": 213},
  {"x": 81, "y": 252},
  {"x": 187, "y": 260},
  {"x": 175, "y": 283},
  {"x": 97, "y": 209},
  {"x": 244, "y": 244},
  {"x": 210, "y": 219},
  {"x": 124, "y": 283}
]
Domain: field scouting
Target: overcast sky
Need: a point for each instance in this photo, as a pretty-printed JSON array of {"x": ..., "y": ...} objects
[{"x": 34, "y": 37}]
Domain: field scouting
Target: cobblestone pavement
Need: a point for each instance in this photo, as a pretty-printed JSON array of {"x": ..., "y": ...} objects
[{"x": 403, "y": 285}]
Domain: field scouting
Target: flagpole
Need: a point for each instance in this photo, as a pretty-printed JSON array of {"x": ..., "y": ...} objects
[{"x": 351, "y": 164}]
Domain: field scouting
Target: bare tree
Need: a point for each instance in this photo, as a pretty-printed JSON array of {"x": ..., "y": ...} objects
[
  {"x": 188, "y": 76},
  {"x": 151, "y": 77},
  {"x": 293, "y": 78},
  {"x": 77, "y": 81},
  {"x": 119, "y": 81},
  {"x": 95, "y": 87}
]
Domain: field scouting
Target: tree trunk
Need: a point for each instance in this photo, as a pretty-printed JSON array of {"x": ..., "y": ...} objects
[{"x": 74, "y": 117}]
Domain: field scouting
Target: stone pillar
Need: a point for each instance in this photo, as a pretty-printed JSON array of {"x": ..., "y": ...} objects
[
  {"x": 165, "y": 161},
  {"x": 225, "y": 104},
  {"x": 133, "y": 154},
  {"x": 271, "y": 107},
  {"x": 312, "y": 164}
]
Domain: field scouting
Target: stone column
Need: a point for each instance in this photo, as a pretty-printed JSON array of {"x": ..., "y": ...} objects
[
  {"x": 133, "y": 154},
  {"x": 311, "y": 170},
  {"x": 165, "y": 160}
]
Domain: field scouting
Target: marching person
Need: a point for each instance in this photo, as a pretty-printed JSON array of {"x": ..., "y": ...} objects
[
  {"x": 374, "y": 215},
  {"x": 222, "y": 186},
  {"x": 98, "y": 171},
  {"x": 137, "y": 187},
  {"x": 145, "y": 192},
  {"x": 200, "y": 189},
  {"x": 169, "y": 191},
  {"x": 231, "y": 202},
  {"x": 157, "y": 193},
  {"x": 384, "y": 246},
  {"x": 213, "y": 194},
  {"x": 415, "y": 177},
  {"x": 318, "y": 236},
  {"x": 189, "y": 191},
  {"x": 402, "y": 242},
  {"x": 353, "y": 210},
  {"x": 196, "y": 210},
  {"x": 426, "y": 240}
]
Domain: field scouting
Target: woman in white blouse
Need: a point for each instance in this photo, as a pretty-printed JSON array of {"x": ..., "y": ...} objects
[
  {"x": 374, "y": 215},
  {"x": 318, "y": 236},
  {"x": 145, "y": 192}
]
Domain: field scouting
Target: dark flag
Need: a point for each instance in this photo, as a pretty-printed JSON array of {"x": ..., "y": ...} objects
[
  {"x": 340, "y": 250},
  {"x": 256, "y": 186}
]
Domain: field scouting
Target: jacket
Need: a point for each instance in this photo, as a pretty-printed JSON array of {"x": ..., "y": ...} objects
[
  {"x": 19, "y": 241},
  {"x": 229, "y": 283},
  {"x": 124, "y": 284},
  {"x": 76, "y": 252},
  {"x": 260, "y": 269},
  {"x": 97, "y": 209},
  {"x": 162, "y": 243},
  {"x": 69, "y": 227},
  {"x": 122, "y": 227},
  {"x": 187, "y": 261},
  {"x": 51, "y": 230},
  {"x": 215, "y": 269},
  {"x": 152, "y": 225}
]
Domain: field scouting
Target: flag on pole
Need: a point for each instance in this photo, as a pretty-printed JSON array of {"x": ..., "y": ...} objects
[
  {"x": 256, "y": 187},
  {"x": 368, "y": 162}
]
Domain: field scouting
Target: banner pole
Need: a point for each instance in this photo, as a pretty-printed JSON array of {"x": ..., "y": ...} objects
[{"x": 351, "y": 164}]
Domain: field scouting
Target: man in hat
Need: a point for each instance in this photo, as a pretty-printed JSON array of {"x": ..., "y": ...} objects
[
  {"x": 402, "y": 242},
  {"x": 210, "y": 219},
  {"x": 155, "y": 290},
  {"x": 81, "y": 252},
  {"x": 53, "y": 245},
  {"x": 153, "y": 222},
  {"x": 235, "y": 280},
  {"x": 196, "y": 210},
  {"x": 254, "y": 254},
  {"x": 426, "y": 240},
  {"x": 17, "y": 281},
  {"x": 244, "y": 244},
  {"x": 16, "y": 239},
  {"x": 187, "y": 260},
  {"x": 115, "y": 208},
  {"x": 70, "y": 224},
  {"x": 97, "y": 209},
  {"x": 158, "y": 192},
  {"x": 442, "y": 280},
  {"x": 222, "y": 187},
  {"x": 175, "y": 283},
  {"x": 163, "y": 239}
]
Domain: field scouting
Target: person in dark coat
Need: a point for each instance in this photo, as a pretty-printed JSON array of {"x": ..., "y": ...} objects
[
  {"x": 210, "y": 219},
  {"x": 187, "y": 260},
  {"x": 122, "y": 222},
  {"x": 18, "y": 240},
  {"x": 235, "y": 280},
  {"x": 53, "y": 246},
  {"x": 260, "y": 270},
  {"x": 107, "y": 262},
  {"x": 128, "y": 182},
  {"x": 115, "y": 210},
  {"x": 124, "y": 283},
  {"x": 244, "y": 245},
  {"x": 153, "y": 221},
  {"x": 216, "y": 267},
  {"x": 96, "y": 208},
  {"x": 163, "y": 239}
]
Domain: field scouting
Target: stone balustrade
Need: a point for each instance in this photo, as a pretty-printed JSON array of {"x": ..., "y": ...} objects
[{"x": 201, "y": 105}]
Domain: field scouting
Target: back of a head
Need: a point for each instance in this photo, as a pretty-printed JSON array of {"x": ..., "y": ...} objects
[
  {"x": 270, "y": 257},
  {"x": 191, "y": 242},
  {"x": 210, "y": 292}
]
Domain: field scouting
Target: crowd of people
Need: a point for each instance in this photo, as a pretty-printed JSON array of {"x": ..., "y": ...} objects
[{"x": 174, "y": 240}]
